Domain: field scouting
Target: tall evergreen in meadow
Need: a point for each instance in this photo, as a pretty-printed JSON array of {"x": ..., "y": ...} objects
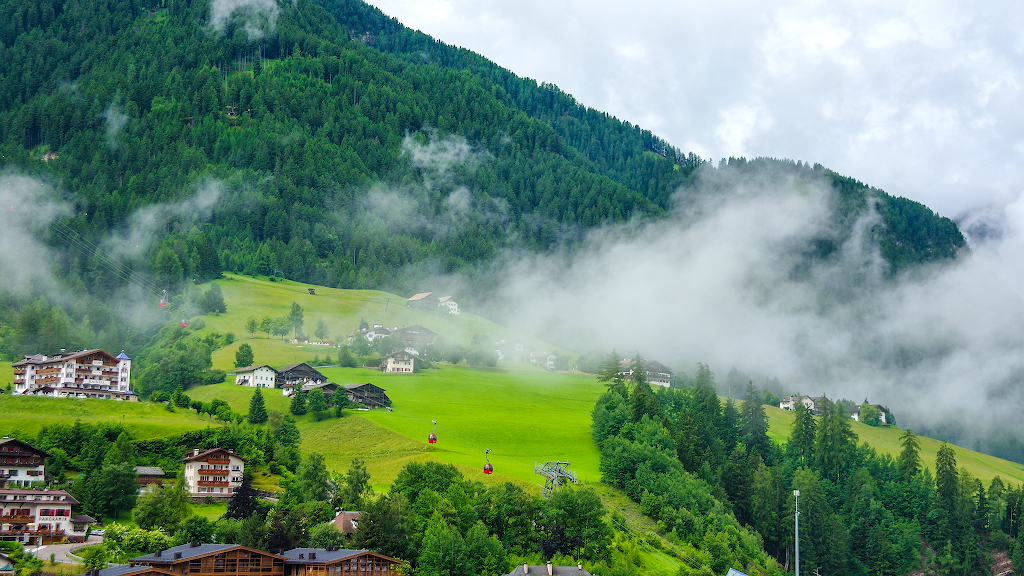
[{"x": 257, "y": 408}]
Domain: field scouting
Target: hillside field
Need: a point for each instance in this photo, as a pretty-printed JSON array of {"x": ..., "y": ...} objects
[
  {"x": 25, "y": 415},
  {"x": 522, "y": 416},
  {"x": 340, "y": 310}
]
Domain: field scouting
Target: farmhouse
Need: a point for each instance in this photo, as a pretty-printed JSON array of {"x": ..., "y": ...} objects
[
  {"x": 83, "y": 374},
  {"x": 298, "y": 374},
  {"x": 544, "y": 360},
  {"x": 40, "y": 517},
  {"x": 262, "y": 376},
  {"x": 368, "y": 395},
  {"x": 402, "y": 363},
  {"x": 449, "y": 303},
  {"x": 812, "y": 403},
  {"x": 886, "y": 418},
  {"x": 513, "y": 350},
  {"x": 146, "y": 475},
  {"x": 328, "y": 388},
  {"x": 416, "y": 337},
  {"x": 376, "y": 333},
  {"x": 423, "y": 301},
  {"x": 216, "y": 473},
  {"x": 655, "y": 372},
  {"x": 21, "y": 464}
]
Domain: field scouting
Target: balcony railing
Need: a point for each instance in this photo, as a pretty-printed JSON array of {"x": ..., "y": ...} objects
[
  {"x": 218, "y": 460},
  {"x": 212, "y": 472},
  {"x": 17, "y": 518},
  {"x": 213, "y": 482}
]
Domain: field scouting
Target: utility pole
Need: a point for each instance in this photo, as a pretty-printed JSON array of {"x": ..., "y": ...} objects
[{"x": 796, "y": 521}]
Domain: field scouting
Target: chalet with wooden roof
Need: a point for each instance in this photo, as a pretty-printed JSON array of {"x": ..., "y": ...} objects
[
  {"x": 655, "y": 372},
  {"x": 119, "y": 570},
  {"x": 298, "y": 374},
  {"x": 261, "y": 376},
  {"x": 145, "y": 475},
  {"x": 196, "y": 559},
  {"x": 416, "y": 337},
  {"x": 215, "y": 473},
  {"x": 336, "y": 561},
  {"x": 448, "y": 303},
  {"x": 402, "y": 362},
  {"x": 21, "y": 464},
  {"x": 368, "y": 395},
  {"x": 83, "y": 374},
  {"x": 347, "y": 522}
]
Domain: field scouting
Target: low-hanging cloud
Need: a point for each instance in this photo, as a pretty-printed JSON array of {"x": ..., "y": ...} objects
[
  {"x": 728, "y": 282},
  {"x": 28, "y": 208},
  {"x": 153, "y": 221},
  {"x": 259, "y": 16}
]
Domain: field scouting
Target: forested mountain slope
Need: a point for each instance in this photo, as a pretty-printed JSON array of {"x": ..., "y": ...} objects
[{"x": 322, "y": 141}]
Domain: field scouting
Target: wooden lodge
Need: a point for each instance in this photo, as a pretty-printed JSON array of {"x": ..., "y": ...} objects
[
  {"x": 198, "y": 559},
  {"x": 368, "y": 395},
  {"x": 338, "y": 562}
]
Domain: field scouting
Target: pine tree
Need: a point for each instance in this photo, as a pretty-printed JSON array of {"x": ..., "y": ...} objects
[
  {"x": 298, "y": 404},
  {"x": 909, "y": 461},
  {"x": 834, "y": 441},
  {"x": 754, "y": 431},
  {"x": 801, "y": 437},
  {"x": 257, "y": 408}
]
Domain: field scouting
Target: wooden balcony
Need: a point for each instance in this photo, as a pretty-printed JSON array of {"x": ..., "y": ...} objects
[
  {"x": 212, "y": 482},
  {"x": 212, "y": 472},
  {"x": 218, "y": 460},
  {"x": 17, "y": 518}
]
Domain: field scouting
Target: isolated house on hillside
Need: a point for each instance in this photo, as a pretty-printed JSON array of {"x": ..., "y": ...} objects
[
  {"x": 347, "y": 522},
  {"x": 515, "y": 350},
  {"x": 423, "y": 301},
  {"x": 656, "y": 373},
  {"x": 261, "y": 376},
  {"x": 886, "y": 419},
  {"x": 416, "y": 338},
  {"x": 812, "y": 403},
  {"x": 544, "y": 360},
  {"x": 377, "y": 332},
  {"x": 83, "y": 374},
  {"x": 216, "y": 473},
  {"x": 21, "y": 464},
  {"x": 402, "y": 362},
  {"x": 145, "y": 475},
  {"x": 448, "y": 303}
]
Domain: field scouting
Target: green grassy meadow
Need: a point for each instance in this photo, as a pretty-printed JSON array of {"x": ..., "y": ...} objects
[
  {"x": 887, "y": 441},
  {"x": 25, "y": 415},
  {"x": 522, "y": 416}
]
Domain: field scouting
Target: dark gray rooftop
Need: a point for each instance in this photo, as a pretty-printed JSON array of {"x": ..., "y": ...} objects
[
  {"x": 187, "y": 551},
  {"x": 320, "y": 555}
]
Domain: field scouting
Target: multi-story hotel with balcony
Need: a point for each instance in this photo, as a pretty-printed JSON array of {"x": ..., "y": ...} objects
[
  {"x": 40, "y": 517},
  {"x": 84, "y": 374},
  {"x": 216, "y": 473},
  {"x": 21, "y": 464}
]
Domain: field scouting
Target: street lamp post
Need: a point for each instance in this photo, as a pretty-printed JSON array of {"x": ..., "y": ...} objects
[{"x": 796, "y": 521}]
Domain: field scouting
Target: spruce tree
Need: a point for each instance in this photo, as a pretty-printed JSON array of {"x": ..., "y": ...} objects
[
  {"x": 257, "y": 408},
  {"x": 801, "y": 438},
  {"x": 909, "y": 460},
  {"x": 298, "y": 405},
  {"x": 755, "y": 423}
]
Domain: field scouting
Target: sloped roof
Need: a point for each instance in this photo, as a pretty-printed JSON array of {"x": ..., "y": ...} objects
[
  {"x": 130, "y": 570},
  {"x": 122, "y": 356},
  {"x": 419, "y": 296},
  {"x": 325, "y": 556},
  {"x": 188, "y": 551},
  {"x": 149, "y": 471},
  {"x": 212, "y": 451},
  {"x": 254, "y": 367},
  {"x": 12, "y": 441},
  {"x": 543, "y": 571},
  {"x": 43, "y": 359}
]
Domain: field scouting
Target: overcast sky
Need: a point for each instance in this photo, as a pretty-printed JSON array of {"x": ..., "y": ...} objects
[{"x": 919, "y": 98}]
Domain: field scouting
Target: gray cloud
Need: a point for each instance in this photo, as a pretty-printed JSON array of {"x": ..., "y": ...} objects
[
  {"x": 260, "y": 16},
  {"x": 28, "y": 208},
  {"x": 920, "y": 100},
  {"x": 726, "y": 283}
]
